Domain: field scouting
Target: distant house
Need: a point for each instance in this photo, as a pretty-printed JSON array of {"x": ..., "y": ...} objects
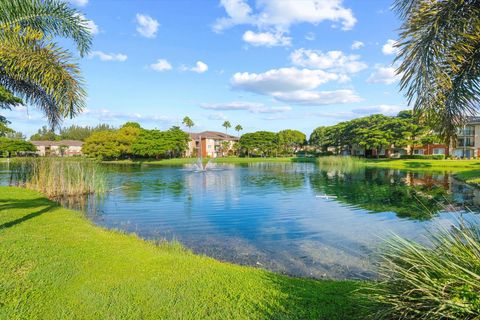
[
  {"x": 59, "y": 148},
  {"x": 210, "y": 144}
]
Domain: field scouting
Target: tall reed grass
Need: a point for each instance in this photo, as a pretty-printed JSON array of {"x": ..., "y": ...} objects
[
  {"x": 441, "y": 281},
  {"x": 340, "y": 161},
  {"x": 58, "y": 177}
]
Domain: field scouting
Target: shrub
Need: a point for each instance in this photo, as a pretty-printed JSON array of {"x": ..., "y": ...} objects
[
  {"x": 440, "y": 281},
  {"x": 421, "y": 156}
]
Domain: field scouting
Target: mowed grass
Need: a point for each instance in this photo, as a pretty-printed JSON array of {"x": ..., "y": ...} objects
[
  {"x": 447, "y": 165},
  {"x": 55, "y": 264},
  {"x": 183, "y": 161}
]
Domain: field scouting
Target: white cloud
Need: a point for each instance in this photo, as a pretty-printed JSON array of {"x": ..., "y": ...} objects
[
  {"x": 386, "y": 75},
  {"x": 295, "y": 86},
  {"x": 161, "y": 65},
  {"x": 252, "y": 107},
  {"x": 80, "y": 3},
  {"x": 357, "y": 45},
  {"x": 385, "y": 109},
  {"x": 217, "y": 116},
  {"x": 283, "y": 79},
  {"x": 146, "y": 25},
  {"x": 267, "y": 39},
  {"x": 89, "y": 24},
  {"x": 389, "y": 47},
  {"x": 200, "y": 67},
  {"x": 109, "y": 56},
  {"x": 310, "y": 36},
  {"x": 280, "y": 15},
  {"x": 108, "y": 115},
  {"x": 332, "y": 60},
  {"x": 318, "y": 97}
]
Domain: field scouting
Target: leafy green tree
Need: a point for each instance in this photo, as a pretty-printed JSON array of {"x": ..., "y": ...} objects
[
  {"x": 187, "y": 122},
  {"x": 75, "y": 132},
  {"x": 226, "y": 125},
  {"x": 238, "y": 128},
  {"x": 4, "y": 129},
  {"x": 44, "y": 134},
  {"x": 440, "y": 61},
  {"x": 260, "y": 143},
  {"x": 161, "y": 144},
  {"x": 12, "y": 147},
  {"x": 53, "y": 83},
  {"x": 290, "y": 140}
]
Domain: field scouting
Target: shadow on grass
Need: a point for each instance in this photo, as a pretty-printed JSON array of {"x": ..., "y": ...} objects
[
  {"x": 323, "y": 299},
  {"x": 13, "y": 204},
  {"x": 415, "y": 164}
]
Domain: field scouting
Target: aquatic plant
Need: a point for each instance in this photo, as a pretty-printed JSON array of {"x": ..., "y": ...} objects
[
  {"x": 437, "y": 281},
  {"x": 56, "y": 177},
  {"x": 341, "y": 161}
]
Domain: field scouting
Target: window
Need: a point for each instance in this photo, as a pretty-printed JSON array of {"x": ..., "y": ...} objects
[
  {"x": 438, "y": 150},
  {"x": 466, "y": 131},
  {"x": 418, "y": 151},
  {"x": 465, "y": 142}
]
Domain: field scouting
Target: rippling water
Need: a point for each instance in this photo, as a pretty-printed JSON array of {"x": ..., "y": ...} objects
[{"x": 294, "y": 218}]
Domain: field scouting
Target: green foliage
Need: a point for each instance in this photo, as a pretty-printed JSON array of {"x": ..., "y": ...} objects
[
  {"x": 226, "y": 125},
  {"x": 75, "y": 132},
  {"x": 44, "y": 134},
  {"x": 187, "y": 122},
  {"x": 53, "y": 82},
  {"x": 260, "y": 143},
  {"x": 58, "y": 177},
  {"x": 440, "y": 281},
  {"x": 161, "y": 144},
  {"x": 238, "y": 128},
  {"x": 372, "y": 132},
  {"x": 440, "y": 61},
  {"x": 112, "y": 144},
  {"x": 290, "y": 141},
  {"x": 15, "y": 146},
  {"x": 421, "y": 156},
  {"x": 7, "y": 99}
]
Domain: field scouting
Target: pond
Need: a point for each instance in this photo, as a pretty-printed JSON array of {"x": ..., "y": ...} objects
[{"x": 294, "y": 218}]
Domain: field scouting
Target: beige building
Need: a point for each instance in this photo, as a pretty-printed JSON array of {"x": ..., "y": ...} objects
[
  {"x": 210, "y": 144},
  {"x": 59, "y": 148}
]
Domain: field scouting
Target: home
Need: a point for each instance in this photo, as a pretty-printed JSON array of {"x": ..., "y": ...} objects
[
  {"x": 58, "y": 148},
  {"x": 210, "y": 144}
]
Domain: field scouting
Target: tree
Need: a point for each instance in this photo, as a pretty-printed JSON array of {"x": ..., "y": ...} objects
[
  {"x": 226, "y": 125},
  {"x": 238, "y": 128},
  {"x": 75, "y": 132},
  {"x": 15, "y": 146},
  {"x": 440, "y": 61},
  {"x": 161, "y": 144},
  {"x": 187, "y": 122},
  {"x": 44, "y": 134},
  {"x": 260, "y": 143},
  {"x": 53, "y": 83},
  {"x": 290, "y": 140}
]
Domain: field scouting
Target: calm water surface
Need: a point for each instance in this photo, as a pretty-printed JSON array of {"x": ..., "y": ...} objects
[{"x": 293, "y": 218}]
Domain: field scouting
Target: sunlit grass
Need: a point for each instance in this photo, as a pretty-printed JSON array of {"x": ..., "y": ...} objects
[
  {"x": 56, "y": 265},
  {"x": 341, "y": 161}
]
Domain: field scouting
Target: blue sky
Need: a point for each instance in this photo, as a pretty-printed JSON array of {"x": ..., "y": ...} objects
[{"x": 264, "y": 64}]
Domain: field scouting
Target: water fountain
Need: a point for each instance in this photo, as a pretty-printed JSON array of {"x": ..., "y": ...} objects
[{"x": 200, "y": 165}]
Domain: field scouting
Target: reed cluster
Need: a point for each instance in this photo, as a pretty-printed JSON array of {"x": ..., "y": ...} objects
[
  {"x": 438, "y": 281},
  {"x": 340, "y": 161},
  {"x": 58, "y": 177}
]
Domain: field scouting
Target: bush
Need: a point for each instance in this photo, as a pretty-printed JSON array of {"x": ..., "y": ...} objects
[
  {"x": 421, "y": 156},
  {"x": 441, "y": 281}
]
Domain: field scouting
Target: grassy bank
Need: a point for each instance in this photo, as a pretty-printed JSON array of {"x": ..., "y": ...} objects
[
  {"x": 183, "y": 161},
  {"x": 57, "y": 265}
]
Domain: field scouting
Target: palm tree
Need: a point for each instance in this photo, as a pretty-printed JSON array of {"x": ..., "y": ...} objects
[
  {"x": 227, "y": 125},
  {"x": 187, "y": 122},
  {"x": 439, "y": 55},
  {"x": 238, "y": 128},
  {"x": 32, "y": 66}
]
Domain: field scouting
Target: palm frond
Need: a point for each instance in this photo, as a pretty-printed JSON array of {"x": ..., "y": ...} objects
[{"x": 52, "y": 17}]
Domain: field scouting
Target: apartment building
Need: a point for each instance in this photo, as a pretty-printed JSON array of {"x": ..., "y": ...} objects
[
  {"x": 210, "y": 144},
  {"x": 58, "y": 148}
]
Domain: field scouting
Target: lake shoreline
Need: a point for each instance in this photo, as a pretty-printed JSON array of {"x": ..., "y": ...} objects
[{"x": 57, "y": 257}]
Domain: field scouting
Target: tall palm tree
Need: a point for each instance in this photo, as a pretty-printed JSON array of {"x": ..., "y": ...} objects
[
  {"x": 439, "y": 55},
  {"x": 226, "y": 125},
  {"x": 32, "y": 66},
  {"x": 187, "y": 122},
  {"x": 238, "y": 128}
]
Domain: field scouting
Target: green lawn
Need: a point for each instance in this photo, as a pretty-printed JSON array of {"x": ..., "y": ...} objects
[
  {"x": 55, "y": 264},
  {"x": 182, "y": 161}
]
